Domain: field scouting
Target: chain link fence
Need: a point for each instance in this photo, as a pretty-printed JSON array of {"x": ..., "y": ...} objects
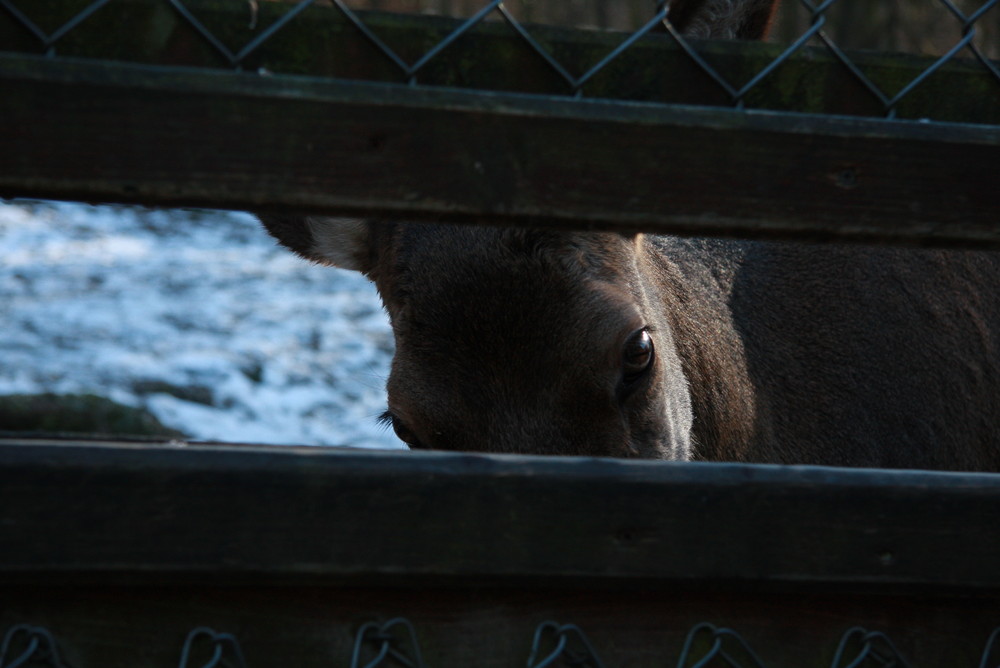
[
  {"x": 963, "y": 36},
  {"x": 554, "y": 645}
]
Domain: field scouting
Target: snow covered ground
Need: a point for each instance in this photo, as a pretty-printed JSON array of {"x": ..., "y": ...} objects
[{"x": 197, "y": 316}]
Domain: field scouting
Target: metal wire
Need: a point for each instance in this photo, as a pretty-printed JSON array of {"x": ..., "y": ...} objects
[
  {"x": 875, "y": 648},
  {"x": 23, "y": 643},
  {"x": 401, "y": 648},
  {"x": 225, "y": 649},
  {"x": 814, "y": 34},
  {"x": 571, "y": 646},
  {"x": 718, "y": 648},
  {"x": 49, "y": 41},
  {"x": 236, "y": 59},
  {"x": 988, "y": 650},
  {"x": 394, "y": 643}
]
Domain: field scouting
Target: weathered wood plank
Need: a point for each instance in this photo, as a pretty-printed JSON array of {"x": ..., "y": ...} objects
[
  {"x": 121, "y": 549},
  {"x": 155, "y": 514},
  {"x": 103, "y": 132}
]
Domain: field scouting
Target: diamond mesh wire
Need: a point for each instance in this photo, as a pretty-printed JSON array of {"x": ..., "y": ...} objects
[{"x": 956, "y": 30}]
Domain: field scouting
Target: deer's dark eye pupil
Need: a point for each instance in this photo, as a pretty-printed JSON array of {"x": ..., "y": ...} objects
[
  {"x": 637, "y": 355},
  {"x": 404, "y": 434}
]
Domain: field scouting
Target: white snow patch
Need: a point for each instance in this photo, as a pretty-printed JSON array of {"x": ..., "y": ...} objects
[{"x": 198, "y": 316}]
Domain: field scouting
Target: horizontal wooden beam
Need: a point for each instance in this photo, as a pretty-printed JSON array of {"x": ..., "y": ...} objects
[
  {"x": 181, "y": 137},
  {"x": 160, "y": 513},
  {"x": 120, "y": 549}
]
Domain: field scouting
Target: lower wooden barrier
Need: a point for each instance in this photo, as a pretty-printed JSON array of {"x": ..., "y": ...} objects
[{"x": 119, "y": 550}]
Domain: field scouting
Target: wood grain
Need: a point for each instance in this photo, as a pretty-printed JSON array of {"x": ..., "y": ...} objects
[
  {"x": 120, "y": 549},
  {"x": 111, "y": 132},
  {"x": 240, "y": 514}
]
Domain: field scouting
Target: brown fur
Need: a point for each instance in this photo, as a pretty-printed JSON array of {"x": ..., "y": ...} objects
[
  {"x": 723, "y": 19},
  {"x": 517, "y": 341},
  {"x": 855, "y": 356},
  {"x": 511, "y": 341}
]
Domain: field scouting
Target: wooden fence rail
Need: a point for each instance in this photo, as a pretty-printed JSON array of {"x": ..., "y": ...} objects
[
  {"x": 122, "y": 548},
  {"x": 109, "y": 131}
]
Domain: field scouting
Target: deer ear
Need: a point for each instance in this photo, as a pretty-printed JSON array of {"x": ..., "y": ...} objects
[
  {"x": 337, "y": 242},
  {"x": 723, "y": 19}
]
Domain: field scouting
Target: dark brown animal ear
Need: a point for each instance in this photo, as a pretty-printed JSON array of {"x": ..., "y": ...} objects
[
  {"x": 337, "y": 242},
  {"x": 723, "y": 19}
]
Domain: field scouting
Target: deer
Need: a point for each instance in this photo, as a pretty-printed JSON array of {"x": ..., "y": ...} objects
[{"x": 630, "y": 345}]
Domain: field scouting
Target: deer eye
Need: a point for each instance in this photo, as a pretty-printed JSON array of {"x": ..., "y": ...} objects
[
  {"x": 406, "y": 435},
  {"x": 637, "y": 356},
  {"x": 403, "y": 433}
]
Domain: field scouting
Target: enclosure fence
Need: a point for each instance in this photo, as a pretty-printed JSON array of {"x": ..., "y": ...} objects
[
  {"x": 394, "y": 643},
  {"x": 324, "y": 108},
  {"x": 280, "y": 556},
  {"x": 320, "y": 107},
  {"x": 256, "y": 35}
]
